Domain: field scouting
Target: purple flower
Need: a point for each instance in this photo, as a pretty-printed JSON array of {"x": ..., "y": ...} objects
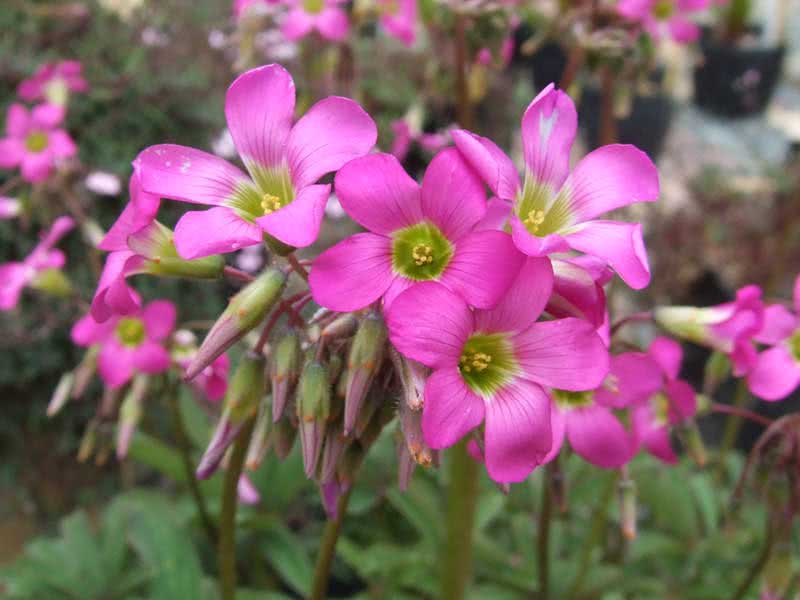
[{"x": 52, "y": 82}]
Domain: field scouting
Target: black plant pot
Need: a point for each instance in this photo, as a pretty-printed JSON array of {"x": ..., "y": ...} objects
[
  {"x": 734, "y": 82},
  {"x": 646, "y": 126}
]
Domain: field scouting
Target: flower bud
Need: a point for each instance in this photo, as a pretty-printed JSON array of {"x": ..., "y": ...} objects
[
  {"x": 313, "y": 410},
  {"x": 155, "y": 243},
  {"x": 244, "y": 312},
  {"x": 242, "y": 398},
  {"x": 260, "y": 440},
  {"x": 53, "y": 282},
  {"x": 283, "y": 435},
  {"x": 334, "y": 447},
  {"x": 350, "y": 463},
  {"x": 412, "y": 378},
  {"x": 247, "y": 492},
  {"x": 380, "y": 418},
  {"x": 411, "y": 426},
  {"x": 88, "y": 441},
  {"x": 369, "y": 407},
  {"x": 717, "y": 370},
  {"x": 108, "y": 403},
  {"x": 287, "y": 361},
  {"x": 627, "y": 507},
  {"x": 61, "y": 394},
  {"x": 363, "y": 362},
  {"x": 130, "y": 414},
  {"x": 692, "y": 440},
  {"x": 341, "y": 327},
  {"x": 405, "y": 463},
  {"x": 331, "y": 492},
  {"x": 85, "y": 371}
]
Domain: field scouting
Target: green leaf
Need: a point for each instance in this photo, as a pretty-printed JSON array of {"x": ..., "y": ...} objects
[
  {"x": 286, "y": 554},
  {"x": 156, "y": 454}
]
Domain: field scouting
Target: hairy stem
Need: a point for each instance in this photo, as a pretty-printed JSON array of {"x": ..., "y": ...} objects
[{"x": 327, "y": 548}]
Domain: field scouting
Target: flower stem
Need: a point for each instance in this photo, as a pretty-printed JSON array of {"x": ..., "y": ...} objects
[
  {"x": 327, "y": 548},
  {"x": 741, "y": 412},
  {"x": 462, "y": 494},
  {"x": 296, "y": 266},
  {"x": 543, "y": 545},
  {"x": 226, "y": 549},
  {"x": 464, "y": 107},
  {"x": 235, "y": 273}
]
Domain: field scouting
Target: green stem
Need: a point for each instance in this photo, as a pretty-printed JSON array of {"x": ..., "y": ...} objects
[
  {"x": 733, "y": 425},
  {"x": 327, "y": 548},
  {"x": 189, "y": 468},
  {"x": 757, "y": 566},
  {"x": 462, "y": 494},
  {"x": 226, "y": 549},
  {"x": 543, "y": 546},
  {"x": 597, "y": 527}
]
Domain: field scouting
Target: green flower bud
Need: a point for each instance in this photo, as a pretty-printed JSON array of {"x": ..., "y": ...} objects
[
  {"x": 690, "y": 435},
  {"x": 60, "y": 394},
  {"x": 130, "y": 414},
  {"x": 287, "y": 361},
  {"x": 365, "y": 358},
  {"x": 155, "y": 243},
  {"x": 283, "y": 435},
  {"x": 313, "y": 411},
  {"x": 259, "y": 442},
  {"x": 53, "y": 282},
  {"x": 717, "y": 370}
]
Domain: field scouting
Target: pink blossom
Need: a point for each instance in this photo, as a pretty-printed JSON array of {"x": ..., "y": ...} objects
[
  {"x": 415, "y": 234},
  {"x": 280, "y": 198},
  {"x": 34, "y": 142},
  {"x": 555, "y": 210},
  {"x": 405, "y": 134},
  {"x": 9, "y": 207},
  {"x": 52, "y": 82},
  {"x": 776, "y": 372},
  {"x": 664, "y": 18},
  {"x": 399, "y": 19},
  {"x": 324, "y": 16},
  {"x": 494, "y": 366},
  {"x": 672, "y": 403},
  {"x": 16, "y": 276},
  {"x": 131, "y": 344},
  {"x": 211, "y": 382}
]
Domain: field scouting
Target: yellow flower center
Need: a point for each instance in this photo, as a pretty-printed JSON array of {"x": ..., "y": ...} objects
[
  {"x": 478, "y": 361},
  {"x": 270, "y": 203},
  {"x": 36, "y": 141},
  {"x": 422, "y": 254},
  {"x": 534, "y": 219}
]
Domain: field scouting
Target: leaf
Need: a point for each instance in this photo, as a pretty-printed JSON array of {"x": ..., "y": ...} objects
[
  {"x": 286, "y": 554},
  {"x": 156, "y": 454}
]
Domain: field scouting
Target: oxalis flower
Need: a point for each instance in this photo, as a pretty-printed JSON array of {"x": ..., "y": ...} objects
[
  {"x": 34, "y": 142},
  {"x": 40, "y": 269},
  {"x": 131, "y": 344},
  {"x": 280, "y": 197},
  {"x": 664, "y": 18},
  {"x": 493, "y": 366},
  {"x": 555, "y": 210},
  {"x": 416, "y": 233},
  {"x": 776, "y": 372},
  {"x": 399, "y": 19},
  {"x": 53, "y": 82},
  {"x": 324, "y": 16}
]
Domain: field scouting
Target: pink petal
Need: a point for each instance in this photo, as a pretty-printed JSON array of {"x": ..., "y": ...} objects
[
  {"x": 452, "y": 195},
  {"x": 352, "y": 274},
  {"x": 483, "y": 267},
  {"x": 218, "y": 230},
  {"x": 113, "y": 295},
  {"x": 430, "y": 324},
  {"x": 548, "y": 130},
  {"x": 115, "y": 364},
  {"x": 60, "y": 227},
  {"x": 87, "y": 332},
  {"x": 653, "y": 435},
  {"x": 12, "y": 151},
  {"x": 619, "y": 244},
  {"x": 159, "y": 319},
  {"x": 297, "y": 224},
  {"x": 150, "y": 357},
  {"x": 47, "y": 116},
  {"x": 14, "y": 276},
  {"x": 635, "y": 9},
  {"x": 599, "y": 438},
  {"x": 189, "y": 175},
  {"x": 533, "y": 245},
  {"x": 633, "y": 378},
  {"x": 524, "y": 301},
  {"x": 36, "y": 167},
  {"x": 779, "y": 324},
  {"x": 334, "y": 131},
  {"x": 682, "y": 400},
  {"x": 259, "y": 107},
  {"x": 796, "y": 295},
  {"x": 576, "y": 294},
  {"x": 558, "y": 427},
  {"x": 683, "y": 30},
  {"x": 17, "y": 121},
  {"x": 566, "y": 354},
  {"x": 610, "y": 177},
  {"x": 451, "y": 409},
  {"x": 296, "y": 25},
  {"x": 129, "y": 222},
  {"x": 496, "y": 216},
  {"x": 397, "y": 287},
  {"x": 378, "y": 194},
  {"x": 668, "y": 354},
  {"x": 775, "y": 375},
  {"x": 61, "y": 144},
  {"x": 332, "y": 24},
  {"x": 493, "y": 166},
  {"x": 518, "y": 434}
]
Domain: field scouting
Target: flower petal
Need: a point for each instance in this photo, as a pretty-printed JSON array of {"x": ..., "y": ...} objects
[
  {"x": 87, "y": 331},
  {"x": 150, "y": 357},
  {"x": 653, "y": 435},
  {"x": 490, "y": 162},
  {"x": 352, "y": 274},
  {"x": 576, "y": 294},
  {"x": 297, "y": 224},
  {"x": 159, "y": 319},
  {"x": 334, "y": 131},
  {"x": 496, "y": 216},
  {"x": 47, "y": 116},
  {"x": 775, "y": 375},
  {"x": 566, "y": 354},
  {"x": 14, "y": 276},
  {"x": 129, "y": 222},
  {"x": 682, "y": 400},
  {"x": 633, "y": 378},
  {"x": 36, "y": 167},
  {"x": 115, "y": 364},
  {"x": 558, "y": 428},
  {"x": 533, "y": 245},
  {"x": 451, "y": 409},
  {"x": 683, "y": 30},
  {"x": 779, "y": 324},
  {"x": 378, "y": 194},
  {"x": 397, "y": 287},
  {"x": 518, "y": 434},
  {"x": 18, "y": 121},
  {"x": 599, "y": 438},
  {"x": 619, "y": 244},
  {"x": 259, "y": 107},
  {"x": 430, "y": 324},
  {"x": 332, "y": 24},
  {"x": 12, "y": 151},
  {"x": 61, "y": 144},
  {"x": 296, "y": 25},
  {"x": 217, "y": 230},
  {"x": 114, "y": 296},
  {"x": 668, "y": 354}
]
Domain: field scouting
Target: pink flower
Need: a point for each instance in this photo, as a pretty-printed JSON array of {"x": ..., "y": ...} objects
[
  {"x": 211, "y": 382},
  {"x": 493, "y": 366},
  {"x": 405, "y": 134},
  {"x": 34, "y": 141},
  {"x": 16, "y": 276},
  {"x": 671, "y": 404},
  {"x": 9, "y": 208},
  {"x": 555, "y": 210},
  {"x": 728, "y": 328},
  {"x": 241, "y": 7},
  {"x": 53, "y": 82},
  {"x": 416, "y": 233},
  {"x": 776, "y": 372},
  {"x": 131, "y": 344},
  {"x": 280, "y": 197},
  {"x": 399, "y": 19},
  {"x": 664, "y": 18},
  {"x": 324, "y": 16},
  {"x": 589, "y": 421}
]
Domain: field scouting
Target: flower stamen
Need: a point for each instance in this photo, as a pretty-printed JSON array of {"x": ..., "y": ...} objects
[
  {"x": 422, "y": 254},
  {"x": 270, "y": 203},
  {"x": 534, "y": 219}
]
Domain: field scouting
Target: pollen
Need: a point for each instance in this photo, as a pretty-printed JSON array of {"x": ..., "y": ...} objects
[
  {"x": 534, "y": 219},
  {"x": 422, "y": 254},
  {"x": 478, "y": 361},
  {"x": 270, "y": 203}
]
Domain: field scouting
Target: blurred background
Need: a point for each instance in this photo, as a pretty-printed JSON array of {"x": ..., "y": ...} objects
[{"x": 722, "y": 122}]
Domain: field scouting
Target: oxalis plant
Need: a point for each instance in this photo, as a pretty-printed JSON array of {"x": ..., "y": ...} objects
[{"x": 469, "y": 314}]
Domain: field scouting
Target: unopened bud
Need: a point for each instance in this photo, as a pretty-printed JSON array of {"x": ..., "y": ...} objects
[
  {"x": 244, "y": 312},
  {"x": 313, "y": 411},
  {"x": 341, "y": 327},
  {"x": 413, "y": 376},
  {"x": 627, "y": 507},
  {"x": 88, "y": 441},
  {"x": 363, "y": 362},
  {"x": 411, "y": 425},
  {"x": 405, "y": 463},
  {"x": 368, "y": 409},
  {"x": 330, "y": 493},
  {"x": 259, "y": 442},
  {"x": 85, "y": 371},
  {"x": 693, "y": 442},
  {"x": 334, "y": 447},
  {"x": 382, "y": 416},
  {"x": 242, "y": 398},
  {"x": 247, "y": 492},
  {"x": 283, "y": 435},
  {"x": 108, "y": 403},
  {"x": 54, "y": 282},
  {"x": 130, "y": 414},
  {"x": 155, "y": 243},
  {"x": 60, "y": 394},
  {"x": 350, "y": 463},
  {"x": 287, "y": 361},
  {"x": 717, "y": 370}
]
